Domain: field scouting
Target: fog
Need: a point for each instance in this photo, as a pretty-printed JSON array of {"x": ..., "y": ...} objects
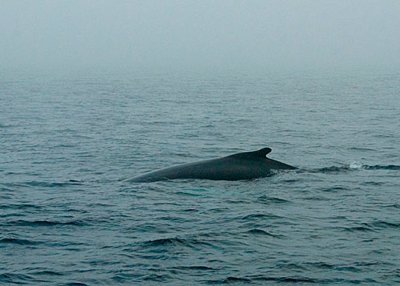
[{"x": 199, "y": 35}]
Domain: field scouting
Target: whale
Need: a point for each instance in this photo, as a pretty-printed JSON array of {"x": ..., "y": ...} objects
[{"x": 240, "y": 166}]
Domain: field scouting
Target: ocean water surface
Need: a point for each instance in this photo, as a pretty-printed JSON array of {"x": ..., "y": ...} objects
[{"x": 69, "y": 141}]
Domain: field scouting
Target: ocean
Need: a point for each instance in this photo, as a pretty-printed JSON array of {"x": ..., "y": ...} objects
[{"x": 69, "y": 141}]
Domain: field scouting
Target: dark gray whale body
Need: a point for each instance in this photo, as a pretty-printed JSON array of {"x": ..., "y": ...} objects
[{"x": 241, "y": 166}]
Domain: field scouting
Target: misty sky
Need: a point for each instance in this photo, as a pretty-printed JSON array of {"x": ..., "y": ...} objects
[{"x": 199, "y": 34}]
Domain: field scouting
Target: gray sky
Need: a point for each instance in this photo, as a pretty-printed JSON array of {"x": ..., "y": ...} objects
[{"x": 169, "y": 34}]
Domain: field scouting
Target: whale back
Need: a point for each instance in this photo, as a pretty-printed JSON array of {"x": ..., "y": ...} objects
[
  {"x": 240, "y": 166},
  {"x": 254, "y": 155}
]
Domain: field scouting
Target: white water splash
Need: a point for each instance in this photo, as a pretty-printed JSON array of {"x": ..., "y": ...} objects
[{"x": 355, "y": 165}]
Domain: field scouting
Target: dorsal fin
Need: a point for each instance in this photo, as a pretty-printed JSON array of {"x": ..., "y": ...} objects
[{"x": 259, "y": 154}]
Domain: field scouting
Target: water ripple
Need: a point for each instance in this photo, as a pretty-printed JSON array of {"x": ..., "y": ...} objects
[
  {"x": 37, "y": 223},
  {"x": 258, "y": 231},
  {"x": 18, "y": 241}
]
